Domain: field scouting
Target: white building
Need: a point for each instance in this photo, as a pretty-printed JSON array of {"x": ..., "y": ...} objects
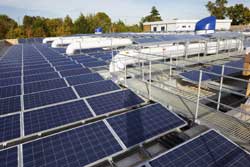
[{"x": 181, "y": 25}]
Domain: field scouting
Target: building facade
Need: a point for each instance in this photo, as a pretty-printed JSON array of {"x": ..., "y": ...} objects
[{"x": 181, "y": 25}]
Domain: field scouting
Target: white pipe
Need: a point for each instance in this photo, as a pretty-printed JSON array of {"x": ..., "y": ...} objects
[
  {"x": 131, "y": 56},
  {"x": 49, "y": 39},
  {"x": 98, "y": 43}
]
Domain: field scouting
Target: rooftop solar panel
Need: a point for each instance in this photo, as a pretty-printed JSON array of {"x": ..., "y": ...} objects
[
  {"x": 209, "y": 149},
  {"x": 144, "y": 123},
  {"x": 114, "y": 101},
  {"x": 32, "y": 67},
  {"x": 9, "y": 127},
  {"x": 76, "y": 147},
  {"x": 95, "y": 64},
  {"x": 51, "y": 117},
  {"x": 11, "y": 69},
  {"x": 68, "y": 67},
  {"x": 86, "y": 78},
  {"x": 73, "y": 72},
  {"x": 38, "y": 71},
  {"x": 44, "y": 85},
  {"x": 41, "y": 77},
  {"x": 10, "y": 74},
  {"x": 10, "y": 91},
  {"x": 63, "y": 63},
  {"x": 9, "y": 157},
  {"x": 48, "y": 97},
  {"x": 96, "y": 88},
  {"x": 10, "y": 105},
  {"x": 10, "y": 81}
]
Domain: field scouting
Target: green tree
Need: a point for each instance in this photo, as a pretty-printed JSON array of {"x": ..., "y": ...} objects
[
  {"x": 239, "y": 14},
  {"x": 67, "y": 25},
  {"x": 17, "y": 32},
  {"x": 217, "y": 8},
  {"x": 53, "y": 26},
  {"x": 104, "y": 21},
  {"x": 154, "y": 16},
  {"x": 6, "y": 24},
  {"x": 80, "y": 25},
  {"x": 119, "y": 27}
]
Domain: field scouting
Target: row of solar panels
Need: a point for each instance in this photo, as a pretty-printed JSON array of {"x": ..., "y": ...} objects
[
  {"x": 214, "y": 72},
  {"x": 89, "y": 143},
  {"x": 42, "y": 90}
]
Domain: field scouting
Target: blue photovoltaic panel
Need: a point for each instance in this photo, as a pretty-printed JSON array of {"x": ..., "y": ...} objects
[
  {"x": 68, "y": 67},
  {"x": 73, "y": 72},
  {"x": 77, "y": 147},
  {"x": 41, "y": 77},
  {"x": 10, "y": 91},
  {"x": 114, "y": 101},
  {"x": 48, "y": 97},
  {"x": 217, "y": 69},
  {"x": 11, "y": 69},
  {"x": 10, "y": 74},
  {"x": 10, "y": 81},
  {"x": 44, "y": 85},
  {"x": 96, "y": 88},
  {"x": 194, "y": 76},
  {"x": 10, "y": 105},
  {"x": 9, "y": 157},
  {"x": 144, "y": 123},
  {"x": 86, "y": 78},
  {"x": 38, "y": 71},
  {"x": 64, "y": 63},
  {"x": 9, "y": 127},
  {"x": 209, "y": 149},
  {"x": 32, "y": 67},
  {"x": 95, "y": 64},
  {"x": 51, "y": 117}
]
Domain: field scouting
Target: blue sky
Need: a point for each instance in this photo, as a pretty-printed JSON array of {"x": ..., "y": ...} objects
[{"x": 129, "y": 11}]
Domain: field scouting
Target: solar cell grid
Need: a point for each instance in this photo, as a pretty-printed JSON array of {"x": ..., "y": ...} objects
[
  {"x": 10, "y": 81},
  {"x": 76, "y": 147},
  {"x": 38, "y": 71},
  {"x": 9, "y": 157},
  {"x": 10, "y": 74},
  {"x": 45, "y": 65},
  {"x": 73, "y": 72},
  {"x": 48, "y": 97},
  {"x": 10, "y": 105},
  {"x": 10, "y": 91},
  {"x": 114, "y": 101},
  {"x": 95, "y": 64},
  {"x": 51, "y": 117},
  {"x": 41, "y": 77},
  {"x": 68, "y": 67},
  {"x": 9, "y": 127},
  {"x": 11, "y": 69},
  {"x": 209, "y": 149},
  {"x": 144, "y": 123},
  {"x": 96, "y": 88},
  {"x": 82, "y": 79},
  {"x": 44, "y": 85}
]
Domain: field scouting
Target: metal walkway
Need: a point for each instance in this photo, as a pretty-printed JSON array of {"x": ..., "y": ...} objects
[{"x": 233, "y": 128}]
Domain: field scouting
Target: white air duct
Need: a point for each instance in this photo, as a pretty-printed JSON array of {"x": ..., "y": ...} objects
[{"x": 97, "y": 43}]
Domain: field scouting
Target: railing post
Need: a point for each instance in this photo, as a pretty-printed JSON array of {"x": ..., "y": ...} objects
[
  {"x": 198, "y": 98},
  {"x": 150, "y": 79},
  {"x": 221, "y": 86},
  {"x": 125, "y": 76}
]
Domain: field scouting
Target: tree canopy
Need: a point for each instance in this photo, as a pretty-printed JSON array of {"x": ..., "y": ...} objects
[{"x": 239, "y": 13}]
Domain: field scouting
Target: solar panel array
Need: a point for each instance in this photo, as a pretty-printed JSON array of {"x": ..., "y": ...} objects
[
  {"x": 209, "y": 149},
  {"x": 43, "y": 90},
  {"x": 230, "y": 68},
  {"x": 38, "y": 82}
]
